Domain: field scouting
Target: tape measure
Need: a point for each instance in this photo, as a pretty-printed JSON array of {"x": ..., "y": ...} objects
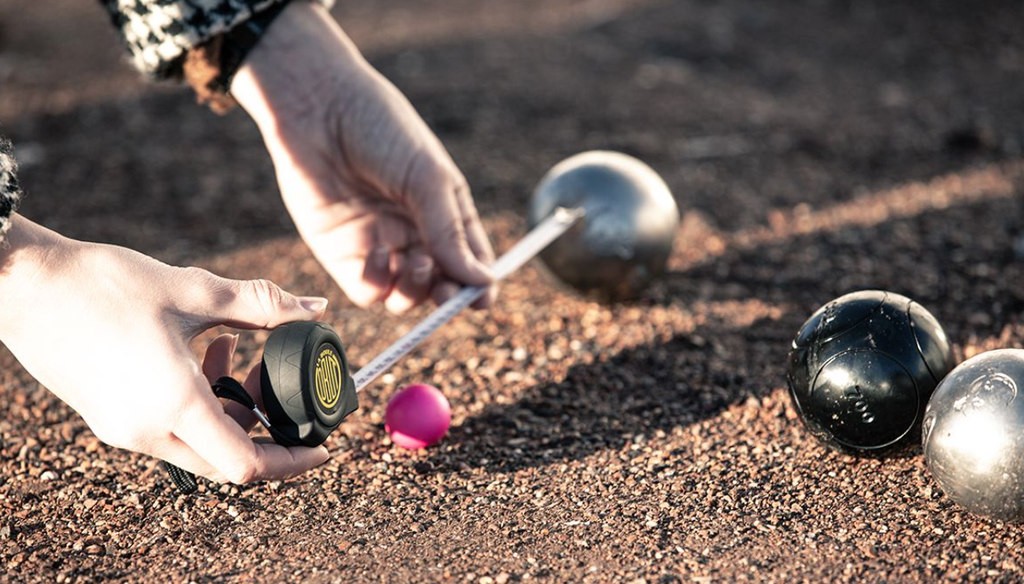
[{"x": 305, "y": 382}]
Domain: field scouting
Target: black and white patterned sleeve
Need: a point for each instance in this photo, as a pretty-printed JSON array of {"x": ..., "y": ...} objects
[
  {"x": 10, "y": 194},
  {"x": 159, "y": 32}
]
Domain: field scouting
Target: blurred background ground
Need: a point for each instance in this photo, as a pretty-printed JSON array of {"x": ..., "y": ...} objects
[{"x": 815, "y": 147}]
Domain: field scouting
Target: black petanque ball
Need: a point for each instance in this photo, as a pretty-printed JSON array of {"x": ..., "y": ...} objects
[
  {"x": 862, "y": 368},
  {"x": 624, "y": 241},
  {"x": 973, "y": 435}
]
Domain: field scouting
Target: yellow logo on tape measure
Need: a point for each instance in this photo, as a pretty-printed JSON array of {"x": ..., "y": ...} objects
[{"x": 328, "y": 378}]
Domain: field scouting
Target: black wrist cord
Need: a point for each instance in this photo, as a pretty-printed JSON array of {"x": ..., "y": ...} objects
[
  {"x": 305, "y": 384},
  {"x": 226, "y": 388}
]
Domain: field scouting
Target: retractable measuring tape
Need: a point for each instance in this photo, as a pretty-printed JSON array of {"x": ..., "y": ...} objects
[{"x": 305, "y": 381}]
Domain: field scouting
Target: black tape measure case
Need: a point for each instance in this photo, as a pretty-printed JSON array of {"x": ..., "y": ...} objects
[{"x": 306, "y": 383}]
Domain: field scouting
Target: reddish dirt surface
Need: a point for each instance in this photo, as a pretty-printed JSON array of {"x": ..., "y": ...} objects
[{"x": 815, "y": 147}]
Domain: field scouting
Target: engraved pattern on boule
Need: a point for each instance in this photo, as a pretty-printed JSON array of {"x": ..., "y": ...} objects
[{"x": 993, "y": 385}]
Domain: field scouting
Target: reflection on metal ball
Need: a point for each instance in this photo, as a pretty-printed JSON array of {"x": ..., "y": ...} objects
[
  {"x": 973, "y": 435},
  {"x": 624, "y": 240},
  {"x": 862, "y": 367}
]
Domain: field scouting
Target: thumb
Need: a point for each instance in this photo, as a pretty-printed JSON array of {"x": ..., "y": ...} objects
[{"x": 262, "y": 304}]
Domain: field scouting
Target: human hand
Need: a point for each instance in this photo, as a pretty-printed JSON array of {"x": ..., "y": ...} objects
[
  {"x": 108, "y": 330},
  {"x": 371, "y": 189}
]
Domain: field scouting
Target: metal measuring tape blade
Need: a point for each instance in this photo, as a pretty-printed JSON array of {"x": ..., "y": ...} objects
[
  {"x": 529, "y": 246},
  {"x": 305, "y": 382}
]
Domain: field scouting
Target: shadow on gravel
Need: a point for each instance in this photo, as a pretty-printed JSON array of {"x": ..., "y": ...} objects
[
  {"x": 632, "y": 395},
  {"x": 759, "y": 111},
  {"x": 608, "y": 404}
]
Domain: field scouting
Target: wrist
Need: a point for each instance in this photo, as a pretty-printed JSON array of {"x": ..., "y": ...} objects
[
  {"x": 28, "y": 250},
  {"x": 301, "y": 55},
  {"x": 24, "y": 244}
]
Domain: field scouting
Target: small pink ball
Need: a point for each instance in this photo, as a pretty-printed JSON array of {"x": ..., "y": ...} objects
[{"x": 417, "y": 416}]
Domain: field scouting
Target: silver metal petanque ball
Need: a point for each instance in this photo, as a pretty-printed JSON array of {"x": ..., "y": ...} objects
[
  {"x": 624, "y": 241},
  {"x": 973, "y": 435}
]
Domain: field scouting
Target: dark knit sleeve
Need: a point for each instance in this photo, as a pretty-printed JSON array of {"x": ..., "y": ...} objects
[
  {"x": 10, "y": 194},
  {"x": 158, "y": 33}
]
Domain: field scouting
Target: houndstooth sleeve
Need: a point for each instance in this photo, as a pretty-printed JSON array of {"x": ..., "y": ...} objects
[
  {"x": 10, "y": 194},
  {"x": 159, "y": 32}
]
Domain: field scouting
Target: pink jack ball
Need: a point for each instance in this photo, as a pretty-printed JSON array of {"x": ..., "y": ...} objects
[{"x": 417, "y": 416}]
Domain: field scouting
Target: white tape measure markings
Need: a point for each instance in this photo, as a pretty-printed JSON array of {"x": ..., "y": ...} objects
[{"x": 529, "y": 246}]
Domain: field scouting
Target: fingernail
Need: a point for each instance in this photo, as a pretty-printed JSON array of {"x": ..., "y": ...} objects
[
  {"x": 422, "y": 274},
  {"x": 313, "y": 303},
  {"x": 381, "y": 258},
  {"x": 234, "y": 344}
]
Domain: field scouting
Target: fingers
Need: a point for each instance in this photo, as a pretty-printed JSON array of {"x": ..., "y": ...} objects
[
  {"x": 434, "y": 199},
  {"x": 391, "y": 265},
  {"x": 475, "y": 233},
  {"x": 360, "y": 255},
  {"x": 217, "y": 362},
  {"x": 215, "y": 437},
  {"x": 261, "y": 304},
  {"x": 477, "y": 237},
  {"x": 415, "y": 277},
  {"x": 242, "y": 415},
  {"x": 365, "y": 280},
  {"x": 176, "y": 452},
  {"x": 444, "y": 290}
]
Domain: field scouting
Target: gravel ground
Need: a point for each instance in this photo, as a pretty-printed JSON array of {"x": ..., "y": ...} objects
[{"x": 815, "y": 148}]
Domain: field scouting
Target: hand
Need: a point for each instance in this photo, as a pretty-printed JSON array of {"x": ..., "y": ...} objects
[
  {"x": 108, "y": 330},
  {"x": 371, "y": 189}
]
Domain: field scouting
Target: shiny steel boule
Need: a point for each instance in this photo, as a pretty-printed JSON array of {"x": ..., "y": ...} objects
[
  {"x": 624, "y": 241},
  {"x": 973, "y": 435}
]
